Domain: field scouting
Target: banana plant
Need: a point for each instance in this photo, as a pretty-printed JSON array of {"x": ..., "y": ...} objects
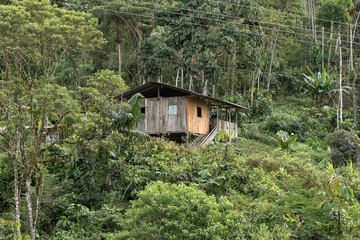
[
  {"x": 224, "y": 136},
  {"x": 285, "y": 140},
  {"x": 319, "y": 85}
]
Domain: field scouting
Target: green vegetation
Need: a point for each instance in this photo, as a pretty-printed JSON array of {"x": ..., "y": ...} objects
[{"x": 293, "y": 172}]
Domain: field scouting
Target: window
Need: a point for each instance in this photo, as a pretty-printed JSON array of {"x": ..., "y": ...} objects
[
  {"x": 199, "y": 112},
  {"x": 143, "y": 110},
  {"x": 172, "y": 109}
]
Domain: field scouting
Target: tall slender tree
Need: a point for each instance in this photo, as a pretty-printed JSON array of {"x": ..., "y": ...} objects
[{"x": 29, "y": 96}]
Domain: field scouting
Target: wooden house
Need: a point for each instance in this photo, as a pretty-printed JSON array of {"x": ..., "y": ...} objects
[{"x": 181, "y": 113}]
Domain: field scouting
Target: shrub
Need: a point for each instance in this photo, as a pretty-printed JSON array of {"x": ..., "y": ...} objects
[
  {"x": 8, "y": 230},
  {"x": 345, "y": 147},
  {"x": 284, "y": 121},
  {"x": 165, "y": 211},
  {"x": 254, "y": 131},
  {"x": 262, "y": 232},
  {"x": 261, "y": 107}
]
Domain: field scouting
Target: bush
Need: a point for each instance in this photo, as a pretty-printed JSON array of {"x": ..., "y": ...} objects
[
  {"x": 284, "y": 121},
  {"x": 261, "y": 107},
  {"x": 8, "y": 230},
  {"x": 262, "y": 232},
  {"x": 345, "y": 147},
  {"x": 254, "y": 131},
  {"x": 165, "y": 211}
]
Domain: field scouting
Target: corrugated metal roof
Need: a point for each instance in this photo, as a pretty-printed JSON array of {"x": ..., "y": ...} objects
[{"x": 151, "y": 90}]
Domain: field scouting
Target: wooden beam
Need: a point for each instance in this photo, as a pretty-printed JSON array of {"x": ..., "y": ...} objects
[
  {"x": 187, "y": 139},
  {"x": 236, "y": 119},
  {"x": 236, "y": 116}
]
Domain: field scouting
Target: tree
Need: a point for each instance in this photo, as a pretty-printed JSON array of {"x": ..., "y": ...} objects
[
  {"x": 123, "y": 23},
  {"x": 202, "y": 33},
  {"x": 35, "y": 37},
  {"x": 165, "y": 211},
  {"x": 158, "y": 54},
  {"x": 335, "y": 10}
]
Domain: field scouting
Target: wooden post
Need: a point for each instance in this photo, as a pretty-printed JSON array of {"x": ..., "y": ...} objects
[
  {"x": 236, "y": 119},
  {"x": 236, "y": 116},
  {"x": 146, "y": 113},
  {"x": 158, "y": 92}
]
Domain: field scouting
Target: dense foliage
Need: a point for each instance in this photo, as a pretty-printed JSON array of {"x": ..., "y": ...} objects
[{"x": 293, "y": 172}]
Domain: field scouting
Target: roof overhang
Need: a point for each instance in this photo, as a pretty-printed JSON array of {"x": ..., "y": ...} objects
[{"x": 153, "y": 89}]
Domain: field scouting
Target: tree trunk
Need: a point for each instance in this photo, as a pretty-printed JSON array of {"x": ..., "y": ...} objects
[
  {"x": 9, "y": 115},
  {"x": 29, "y": 205},
  {"x": 13, "y": 154},
  {"x": 272, "y": 58},
  {"x": 229, "y": 64},
  {"x": 205, "y": 83},
  {"x": 118, "y": 39},
  {"x": 322, "y": 48},
  {"x": 252, "y": 87},
  {"x": 354, "y": 100},
  {"x": 213, "y": 90},
  {"x": 313, "y": 25},
  {"x": 244, "y": 86},
  {"x": 16, "y": 184},
  {"x": 233, "y": 73},
  {"x": 331, "y": 36},
  {"x": 337, "y": 46},
  {"x": 355, "y": 25},
  {"x": 120, "y": 58},
  {"x": 310, "y": 7},
  {"x": 202, "y": 78},
  {"x": 340, "y": 81},
  {"x": 353, "y": 87},
  {"x": 39, "y": 191},
  {"x": 182, "y": 77},
  {"x": 191, "y": 82},
  {"x": 177, "y": 77},
  {"x": 205, "y": 89}
]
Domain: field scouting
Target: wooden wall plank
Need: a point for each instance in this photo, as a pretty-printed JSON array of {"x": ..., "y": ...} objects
[
  {"x": 226, "y": 125},
  {"x": 199, "y": 125},
  {"x": 158, "y": 118}
]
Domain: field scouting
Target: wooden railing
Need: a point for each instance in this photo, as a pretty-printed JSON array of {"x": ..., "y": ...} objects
[{"x": 205, "y": 139}]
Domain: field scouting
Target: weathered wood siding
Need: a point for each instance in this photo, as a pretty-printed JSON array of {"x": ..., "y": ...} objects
[
  {"x": 196, "y": 124},
  {"x": 143, "y": 126},
  {"x": 158, "y": 119},
  {"x": 227, "y": 126}
]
